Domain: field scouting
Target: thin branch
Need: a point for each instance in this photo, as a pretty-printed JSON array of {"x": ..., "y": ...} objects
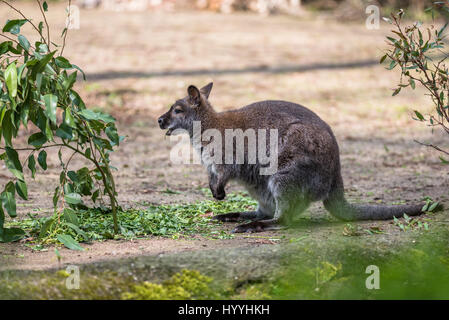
[
  {"x": 62, "y": 192},
  {"x": 33, "y": 149},
  {"x": 9, "y": 38},
  {"x": 66, "y": 28},
  {"x": 432, "y": 146},
  {"x": 46, "y": 24}
]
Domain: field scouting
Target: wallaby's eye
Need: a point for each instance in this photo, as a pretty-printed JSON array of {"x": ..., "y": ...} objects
[{"x": 177, "y": 111}]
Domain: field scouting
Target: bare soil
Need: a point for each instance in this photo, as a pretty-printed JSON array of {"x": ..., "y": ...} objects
[{"x": 138, "y": 63}]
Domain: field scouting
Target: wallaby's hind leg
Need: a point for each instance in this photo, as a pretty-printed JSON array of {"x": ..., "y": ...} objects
[
  {"x": 236, "y": 216},
  {"x": 261, "y": 213},
  {"x": 281, "y": 219},
  {"x": 258, "y": 226},
  {"x": 288, "y": 200}
]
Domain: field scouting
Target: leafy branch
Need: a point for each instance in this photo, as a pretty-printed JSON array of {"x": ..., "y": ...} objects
[
  {"x": 37, "y": 97},
  {"x": 418, "y": 53}
]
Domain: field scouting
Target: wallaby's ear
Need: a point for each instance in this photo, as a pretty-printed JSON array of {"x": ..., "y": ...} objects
[
  {"x": 207, "y": 89},
  {"x": 194, "y": 95}
]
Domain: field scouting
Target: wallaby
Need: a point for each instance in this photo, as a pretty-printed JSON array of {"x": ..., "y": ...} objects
[{"x": 308, "y": 162}]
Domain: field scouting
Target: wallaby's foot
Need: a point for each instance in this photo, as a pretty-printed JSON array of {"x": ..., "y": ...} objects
[
  {"x": 236, "y": 216},
  {"x": 258, "y": 226}
]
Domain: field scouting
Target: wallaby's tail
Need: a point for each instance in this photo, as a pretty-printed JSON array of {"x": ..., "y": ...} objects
[{"x": 339, "y": 207}]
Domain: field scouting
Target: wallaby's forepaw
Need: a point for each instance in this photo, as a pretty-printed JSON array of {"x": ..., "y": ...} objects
[
  {"x": 256, "y": 226},
  {"x": 219, "y": 195}
]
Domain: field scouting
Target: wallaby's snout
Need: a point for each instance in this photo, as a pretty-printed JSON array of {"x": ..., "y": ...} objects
[{"x": 163, "y": 121}]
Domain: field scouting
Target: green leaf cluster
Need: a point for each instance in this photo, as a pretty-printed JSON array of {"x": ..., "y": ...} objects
[
  {"x": 418, "y": 52},
  {"x": 37, "y": 95}
]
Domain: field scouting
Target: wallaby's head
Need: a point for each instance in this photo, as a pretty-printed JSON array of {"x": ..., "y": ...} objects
[{"x": 193, "y": 107}]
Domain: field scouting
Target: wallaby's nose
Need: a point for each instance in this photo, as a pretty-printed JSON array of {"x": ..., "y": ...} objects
[{"x": 161, "y": 122}]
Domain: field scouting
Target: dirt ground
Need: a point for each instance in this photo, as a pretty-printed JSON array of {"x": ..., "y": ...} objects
[{"x": 138, "y": 63}]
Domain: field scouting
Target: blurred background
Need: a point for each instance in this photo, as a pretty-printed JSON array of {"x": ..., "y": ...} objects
[{"x": 139, "y": 56}]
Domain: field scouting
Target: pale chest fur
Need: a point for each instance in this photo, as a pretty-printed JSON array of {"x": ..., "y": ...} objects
[{"x": 207, "y": 160}]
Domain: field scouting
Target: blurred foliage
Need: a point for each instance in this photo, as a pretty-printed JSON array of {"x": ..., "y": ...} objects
[
  {"x": 419, "y": 271},
  {"x": 186, "y": 285}
]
